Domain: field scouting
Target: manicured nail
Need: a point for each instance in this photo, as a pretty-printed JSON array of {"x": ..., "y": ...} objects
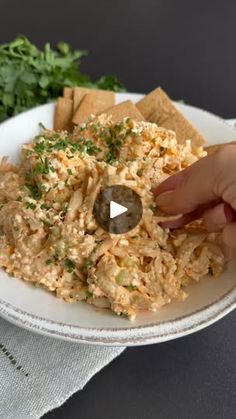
[{"x": 164, "y": 199}]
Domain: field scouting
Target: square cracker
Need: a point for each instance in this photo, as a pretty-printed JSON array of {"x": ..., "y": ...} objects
[
  {"x": 122, "y": 110},
  {"x": 156, "y": 100},
  {"x": 158, "y": 107},
  {"x": 78, "y": 94},
  {"x": 93, "y": 103},
  {"x": 63, "y": 114},
  {"x": 68, "y": 92}
]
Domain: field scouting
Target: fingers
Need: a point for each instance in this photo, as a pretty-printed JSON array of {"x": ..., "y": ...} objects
[
  {"x": 213, "y": 148},
  {"x": 180, "y": 222},
  {"x": 185, "y": 219},
  {"x": 216, "y": 218},
  {"x": 207, "y": 180},
  {"x": 192, "y": 187},
  {"x": 170, "y": 184},
  {"x": 229, "y": 235}
]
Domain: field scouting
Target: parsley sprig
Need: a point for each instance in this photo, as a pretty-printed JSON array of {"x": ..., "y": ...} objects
[
  {"x": 30, "y": 76},
  {"x": 70, "y": 265}
]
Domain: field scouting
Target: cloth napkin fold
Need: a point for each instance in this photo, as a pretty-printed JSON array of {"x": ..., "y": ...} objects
[{"x": 38, "y": 373}]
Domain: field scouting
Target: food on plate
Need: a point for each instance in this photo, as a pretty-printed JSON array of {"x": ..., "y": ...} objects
[
  {"x": 30, "y": 76},
  {"x": 49, "y": 235},
  {"x": 157, "y": 107}
]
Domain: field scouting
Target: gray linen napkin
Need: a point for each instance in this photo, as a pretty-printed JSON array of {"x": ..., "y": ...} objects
[{"x": 38, "y": 374}]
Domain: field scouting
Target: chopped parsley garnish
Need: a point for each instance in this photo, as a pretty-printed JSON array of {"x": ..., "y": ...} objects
[
  {"x": 95, "y": 127},
  {"x": 43, "y": 168},
  {"x": 35, "y": 190},
  {"x": 60, "y": 145},
  {"x": 87, "y": 264},
  {"x": 70, "y": 265},
  {"x": 42, "y": 126},
  {"x": 114, "y": 137},
  {"x": 45, "y": 206},
  {"x": 49, "y": 261},
  {"x": 69, "y": 171},
  {"x": 110, "y": 157},
  {"x": 56, "y": 255},
  {"x": 30, "y": 205},
  {"x": 91, "y": 148},
  {"x": 89, "y": 294},
  {"x": 84, "y": 147},
  {"x": 39, "y": 148},
  {"x": 56, "y": 143}
]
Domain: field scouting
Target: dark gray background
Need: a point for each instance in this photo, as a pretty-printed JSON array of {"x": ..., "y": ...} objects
[{"x": 188, "y": 47}]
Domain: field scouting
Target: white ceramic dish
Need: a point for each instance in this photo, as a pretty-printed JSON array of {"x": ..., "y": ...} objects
[{"x": 41, "y": 312}]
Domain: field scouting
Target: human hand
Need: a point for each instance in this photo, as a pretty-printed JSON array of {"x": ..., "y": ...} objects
[{"x": 206, "y": 189}]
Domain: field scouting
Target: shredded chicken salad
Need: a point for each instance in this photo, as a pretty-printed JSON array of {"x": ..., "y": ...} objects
[{"x": 48, "y": 234}]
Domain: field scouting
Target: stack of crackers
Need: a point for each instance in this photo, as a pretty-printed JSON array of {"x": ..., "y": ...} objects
[{"x": 79, "y": 103}]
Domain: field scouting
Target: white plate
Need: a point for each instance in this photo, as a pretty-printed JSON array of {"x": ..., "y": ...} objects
[{"x": 39, "y": 311}]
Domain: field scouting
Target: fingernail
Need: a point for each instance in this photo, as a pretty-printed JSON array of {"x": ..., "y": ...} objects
[{"x": 164, "y": 199}]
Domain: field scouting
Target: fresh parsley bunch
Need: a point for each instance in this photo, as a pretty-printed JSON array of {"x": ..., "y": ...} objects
[{"x": 30, "y": 77}]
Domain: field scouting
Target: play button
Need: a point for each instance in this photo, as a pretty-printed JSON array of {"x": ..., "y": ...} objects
[{"x": 118, "y": 209}]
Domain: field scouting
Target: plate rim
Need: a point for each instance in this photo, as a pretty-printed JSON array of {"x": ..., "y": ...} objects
[
  {"x": 111, "y": 336},
  {"x": 131, "y": 336}
]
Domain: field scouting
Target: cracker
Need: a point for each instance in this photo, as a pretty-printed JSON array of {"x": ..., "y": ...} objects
[
  {"x": 63, "y": 114},
  {"x": 93, "y": 103},
  {"x": 78, "y": 94},
  {"x": 182, "y": 127},
  {"x": 68, "y": 92},
  {"x": 157, "y": 107},
  {"x": 155, "y": 101},
  {"x": 124, "y": 109}
]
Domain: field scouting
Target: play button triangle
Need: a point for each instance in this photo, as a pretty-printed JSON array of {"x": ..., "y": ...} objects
[{"x": 116, "y": 209}]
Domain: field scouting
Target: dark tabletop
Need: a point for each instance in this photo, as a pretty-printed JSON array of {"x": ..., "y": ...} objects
[{"x": 187, "y": 47}]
